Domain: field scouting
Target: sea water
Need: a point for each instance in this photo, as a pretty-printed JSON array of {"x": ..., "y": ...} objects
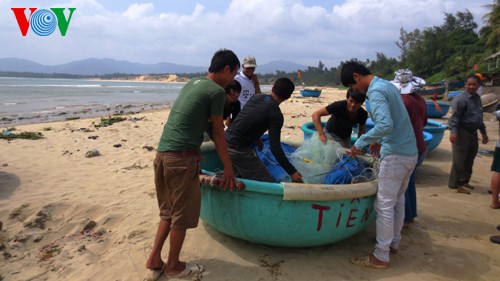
[
  {"x": 41, "y": 99},
  {"x": 38, "y": 100}
]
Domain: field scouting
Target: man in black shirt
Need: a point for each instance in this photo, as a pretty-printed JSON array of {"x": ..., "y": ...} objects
[
  {"x": 260, "y": 113},
  {"x": 343, "y": 116}
]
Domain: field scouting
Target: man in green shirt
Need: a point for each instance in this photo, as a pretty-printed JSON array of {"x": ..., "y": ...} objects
[{"x": 177, "y": 162}]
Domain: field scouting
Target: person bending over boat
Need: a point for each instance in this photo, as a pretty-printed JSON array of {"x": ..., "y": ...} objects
[
  {"x": 177, "y": 163},
  {"x": 344, "y": 115},
  {"x": 261, "y": 113},
  {"x": 392, "y": 136}
]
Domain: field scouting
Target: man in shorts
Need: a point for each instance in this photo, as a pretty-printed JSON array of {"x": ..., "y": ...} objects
[{"x": 177, "y": 161}]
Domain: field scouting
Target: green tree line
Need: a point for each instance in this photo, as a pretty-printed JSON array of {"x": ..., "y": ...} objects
[{"x": 452, "y": 50}]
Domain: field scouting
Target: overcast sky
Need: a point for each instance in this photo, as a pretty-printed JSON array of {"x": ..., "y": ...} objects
[{"x": 190, "y": 31}]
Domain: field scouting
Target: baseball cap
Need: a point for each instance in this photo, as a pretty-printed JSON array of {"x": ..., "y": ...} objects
[{"x": 249, "y": 61}]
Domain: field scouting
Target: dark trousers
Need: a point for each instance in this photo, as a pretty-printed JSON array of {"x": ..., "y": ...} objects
[{"x": 464, "y": 152}]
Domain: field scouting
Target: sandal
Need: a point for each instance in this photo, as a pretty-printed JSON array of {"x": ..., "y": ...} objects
[
  {"x": 191, "y": 270},
  {"x": 155, "y": 273},
  {"x": 366, "y": 263}
]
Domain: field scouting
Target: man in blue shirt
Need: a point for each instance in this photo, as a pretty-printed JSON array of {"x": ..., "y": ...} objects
[{"x": 393, "y": 139}]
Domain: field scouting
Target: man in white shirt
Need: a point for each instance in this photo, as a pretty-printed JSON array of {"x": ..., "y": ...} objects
[{"x": 248, "y": 80}]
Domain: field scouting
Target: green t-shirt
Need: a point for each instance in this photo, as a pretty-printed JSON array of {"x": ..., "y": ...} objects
[{"x": 199, "y": 99}]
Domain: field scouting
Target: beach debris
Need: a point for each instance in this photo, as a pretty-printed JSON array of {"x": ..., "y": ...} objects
[
  {"x": 86, "y": 130},
  {"x": 21, "y": 237},
  {"x": 135, "y": 119},
  {"x": 272, "y": 266},
  {"x": 5, "y": 165},
  {"x": 55, "y": 247},
  {"x": 9, "y": 135},
  {"x": 148, "y": 148},
  {"x": 485, "y": 152},
  {"x": 1, "y": 225},
  {"x": 89, "y": 226},
  {"x": 67, "y": 152},
  {"x": 92, "y": 137},
  {"x": 109, "y": 121},
  {"x": 136, "y": 166},
  {"x": 39, "y": 220},
  {"x": 92, "y": 153},
  {"x": 117, "y": 145},
  {"x": 17, "y": 212}
]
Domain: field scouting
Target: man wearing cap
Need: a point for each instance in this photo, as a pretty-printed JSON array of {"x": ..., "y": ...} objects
[
  {"x": 417, "y": 110},
  {"x": 248, "y": 80}
]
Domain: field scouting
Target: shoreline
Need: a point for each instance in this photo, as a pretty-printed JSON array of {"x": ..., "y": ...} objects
[{"x": 87, "y": 112}]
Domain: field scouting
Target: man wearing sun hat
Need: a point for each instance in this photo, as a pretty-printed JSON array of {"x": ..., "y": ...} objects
[
  {"x": 417, "y": 110},
  {"x": 248, "y": 80}
]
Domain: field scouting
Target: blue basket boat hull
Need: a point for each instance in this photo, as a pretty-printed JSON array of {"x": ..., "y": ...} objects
[
  {"x": 432, "y": 111},
  {"x": 435, "y": 128},
  {"x": 259, "y": 213},
  {"x": 310, "y": 93}
]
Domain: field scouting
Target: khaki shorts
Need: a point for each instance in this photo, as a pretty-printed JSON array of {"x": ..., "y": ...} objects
[{"x": 178, "y": 188}]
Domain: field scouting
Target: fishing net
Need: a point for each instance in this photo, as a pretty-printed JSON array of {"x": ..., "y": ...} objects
[
  {"x": 349, "y": 170},
  {"x": 314, "y": 159},
  {"x": 318, "y": 163}
]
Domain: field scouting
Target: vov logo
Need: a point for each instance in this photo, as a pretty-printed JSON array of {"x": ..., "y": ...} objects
[{"x": 43, "y": 22}]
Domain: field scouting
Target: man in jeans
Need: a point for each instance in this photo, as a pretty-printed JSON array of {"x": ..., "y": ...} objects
[
  {"x": 393, "y": 139},
  {"x": 177, "y": 162}
]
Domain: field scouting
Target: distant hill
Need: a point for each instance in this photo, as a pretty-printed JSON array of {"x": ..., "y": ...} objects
[{"x": 95, "y": 66}]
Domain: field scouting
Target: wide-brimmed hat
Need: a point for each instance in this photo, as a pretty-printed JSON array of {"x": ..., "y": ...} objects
[
  {"x": 406, "y": 82},
  {"x": 249, "y": 61}
]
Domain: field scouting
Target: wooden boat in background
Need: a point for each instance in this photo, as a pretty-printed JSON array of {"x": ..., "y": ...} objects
[{"x": 431, "y": 91}]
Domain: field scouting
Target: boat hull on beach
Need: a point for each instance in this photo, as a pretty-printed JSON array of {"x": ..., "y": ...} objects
[
  {"x": 310, "y": 93},
  {"x": 285, "y": 214}
]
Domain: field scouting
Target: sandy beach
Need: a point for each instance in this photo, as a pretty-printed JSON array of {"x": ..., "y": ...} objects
[{"x": 68, "y": 217}]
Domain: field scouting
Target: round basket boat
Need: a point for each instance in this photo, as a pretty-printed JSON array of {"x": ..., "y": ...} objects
[
  {"x": 285, "y": 214},
  {"x": 453, "y": 94},
  {"x": 310, "y": 93},
  {"x": 432, "y": 110},
  {"x": 437, "y": 130},
  {"x": 434, "y": 128}
]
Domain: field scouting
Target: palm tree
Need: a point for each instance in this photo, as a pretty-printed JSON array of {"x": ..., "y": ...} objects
[{"x": 491, "y": 31}]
